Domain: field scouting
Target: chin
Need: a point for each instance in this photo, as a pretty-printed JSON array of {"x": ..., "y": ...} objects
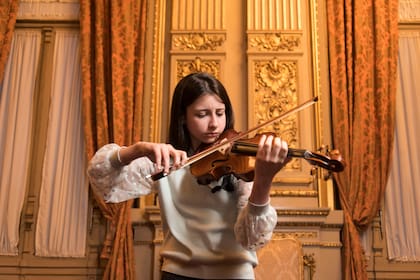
[{"x": 209, "y": 140}]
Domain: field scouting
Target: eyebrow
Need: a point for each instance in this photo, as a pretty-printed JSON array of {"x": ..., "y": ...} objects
[{"x": 207, "y": 109}]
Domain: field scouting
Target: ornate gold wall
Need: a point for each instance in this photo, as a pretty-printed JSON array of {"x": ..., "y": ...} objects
[{"x": 267, "y": 54}]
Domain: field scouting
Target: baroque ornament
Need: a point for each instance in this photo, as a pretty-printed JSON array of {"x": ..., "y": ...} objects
[
  {"x": 275, "y": 93},
  {"x": 276, "y": 42},
  {"x": 185, "y": 67},
  {"x": 198, "y": 41}
]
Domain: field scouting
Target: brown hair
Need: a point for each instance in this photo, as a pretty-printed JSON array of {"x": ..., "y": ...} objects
[{"x": 186, "y": 92}]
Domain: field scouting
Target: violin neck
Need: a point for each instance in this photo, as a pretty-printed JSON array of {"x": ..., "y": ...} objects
[{"x": 250, "y": 149}]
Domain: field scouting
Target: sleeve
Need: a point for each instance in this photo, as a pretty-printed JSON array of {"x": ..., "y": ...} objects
[
  {"x": 255, "y": 223},
  {"x": 119, "y": 183}
]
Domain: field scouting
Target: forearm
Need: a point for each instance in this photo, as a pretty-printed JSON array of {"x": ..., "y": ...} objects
[
  {"x": 125, "y": 155},
  {"x": 260, "y": 194},
  {"x": 164, "y": 156}
]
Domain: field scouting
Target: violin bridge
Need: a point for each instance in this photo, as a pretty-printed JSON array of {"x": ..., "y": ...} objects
[{"x": 224, "y": 149}]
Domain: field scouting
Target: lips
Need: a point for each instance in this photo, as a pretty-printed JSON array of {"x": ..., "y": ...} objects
[{"x": 211, "y": 135}]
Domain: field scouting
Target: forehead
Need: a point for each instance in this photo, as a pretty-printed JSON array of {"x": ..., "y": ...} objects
[{"x": 208, "y": 101}]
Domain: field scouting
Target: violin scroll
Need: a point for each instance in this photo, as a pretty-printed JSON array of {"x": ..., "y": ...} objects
[{"x": 331, "y": 162}]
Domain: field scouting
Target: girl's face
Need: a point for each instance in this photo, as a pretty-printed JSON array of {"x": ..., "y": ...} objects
[{"x": 205, "y": 119}]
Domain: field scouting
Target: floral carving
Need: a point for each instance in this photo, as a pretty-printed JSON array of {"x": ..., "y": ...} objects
[
  {"x": 275, "y": 93},
  {"x": 276, "y": 42},
  {"x": 198, "y": 41},
  {"x": 185, "y": 67}
]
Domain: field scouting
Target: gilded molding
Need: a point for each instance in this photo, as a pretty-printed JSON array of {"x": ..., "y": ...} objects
[
  {"x": 304, "y": 212},
  {"x": 296, "y": 235},
  {"x": 157, "y": 70},
  {"x": 318, "y": 224},
  {"x": 197, "y": 41},
  {"x": 323, "y": 244},
  {"x": 316, "y": 69},
  {"x": 187, "y": 66},
  {"x": 292, "y": 193},
  {"x": 276, "y": 42}
]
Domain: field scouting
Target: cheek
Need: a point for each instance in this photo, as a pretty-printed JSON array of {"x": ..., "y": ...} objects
[
  {"x": 195, "y": 125},
  {"x": 224, "y": 121}
]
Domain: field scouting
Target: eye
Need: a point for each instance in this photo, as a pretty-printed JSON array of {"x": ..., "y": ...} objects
[
  {"x": 220, "y": 113},
  {"x": 201, "y": 114}
]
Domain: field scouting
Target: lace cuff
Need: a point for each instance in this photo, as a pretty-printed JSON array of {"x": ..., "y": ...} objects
[
  {"x": 255, "y": 225},
  {"x": 117, "y": 183}
]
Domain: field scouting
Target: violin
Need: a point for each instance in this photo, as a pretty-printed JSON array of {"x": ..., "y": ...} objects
[
  {"x": 238, "y": 160},
  {"x": 234, "y": 155}
]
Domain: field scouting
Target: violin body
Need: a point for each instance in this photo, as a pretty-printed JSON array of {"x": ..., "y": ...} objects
[
  {"x": 223, "y": 162},
  {"x": 219, "y": 164}
]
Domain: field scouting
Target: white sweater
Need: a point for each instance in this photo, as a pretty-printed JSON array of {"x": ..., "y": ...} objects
[{"x": 206, "y": 235}]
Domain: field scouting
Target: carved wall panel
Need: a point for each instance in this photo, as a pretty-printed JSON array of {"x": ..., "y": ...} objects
[
  {"x": 197, "y": 38},
  {"x": 279, "y": 57}
]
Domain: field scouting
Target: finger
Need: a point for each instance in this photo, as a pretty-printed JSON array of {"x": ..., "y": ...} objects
[
  {"x": 276, "y": 150},
  {"x": 184, "y": 158},
  {"x": 176, "y": 156},
  {"x": 268, "y": 148},
  {"x": 283, "y": 148},
  {"x": 260, "y": 151},
  {"x": 158, "y": 158},
  {"x": 166, "y": 157}
]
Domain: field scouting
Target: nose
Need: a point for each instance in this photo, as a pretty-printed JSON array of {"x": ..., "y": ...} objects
[{"x": 214, "y": 121}]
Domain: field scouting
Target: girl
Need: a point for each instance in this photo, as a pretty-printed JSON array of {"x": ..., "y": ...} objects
[{"x": 210, "y": 231}]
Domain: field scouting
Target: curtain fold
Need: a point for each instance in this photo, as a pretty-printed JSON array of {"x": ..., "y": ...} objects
[
  {"x": 16, "y": 108},
  {"x": 112, "y": 50},
  {"x": 402, "y": 222},
  {"x": 8, "y": 15},
  {"x": 63, "y": 204},
  {"x": 363, "y": 44}
]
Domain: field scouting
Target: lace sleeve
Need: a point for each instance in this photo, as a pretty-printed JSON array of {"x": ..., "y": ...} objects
[
  {"x": 117, "y": 184},
  {"x": 255, "y": 223}
]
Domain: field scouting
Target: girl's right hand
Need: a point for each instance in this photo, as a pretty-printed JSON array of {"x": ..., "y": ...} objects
[{"x": 165, "y": 156}]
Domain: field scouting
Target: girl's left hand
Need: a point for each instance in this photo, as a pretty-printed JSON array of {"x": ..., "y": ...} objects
[{"x": 271, "y": 156}]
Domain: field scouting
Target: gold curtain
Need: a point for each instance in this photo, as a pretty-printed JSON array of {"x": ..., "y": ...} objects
[
  {"x": 112, "y": 49},
  {"x": 8, "y": 15},
  {"x": 363, "y": 42}
]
